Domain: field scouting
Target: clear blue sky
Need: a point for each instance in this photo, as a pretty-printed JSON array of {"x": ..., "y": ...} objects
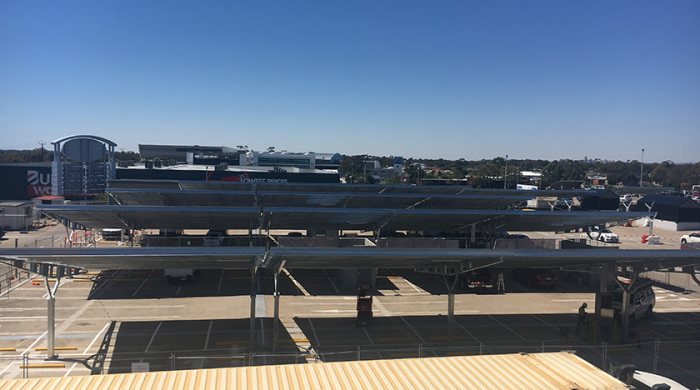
[{"x": 531, "y": 79}]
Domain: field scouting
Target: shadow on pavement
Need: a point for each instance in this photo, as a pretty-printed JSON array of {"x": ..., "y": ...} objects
[
  {"x": 194, "y": 344},
  {"x": 651, "y": 346}
]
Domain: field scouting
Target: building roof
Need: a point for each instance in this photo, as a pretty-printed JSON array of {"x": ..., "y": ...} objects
[
  {"x": 14, "y": 203},
  {"x": 84, "y": 136},
  {"x": 557, "y": 370}
]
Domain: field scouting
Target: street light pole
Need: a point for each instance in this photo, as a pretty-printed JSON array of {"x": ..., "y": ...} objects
[
  {"x": 641, "y": 169},
  {"x": 364, "y": 169},
  {"x": 505, "y": 175}
]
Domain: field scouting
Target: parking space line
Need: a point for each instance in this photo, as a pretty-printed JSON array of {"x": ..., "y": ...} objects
[
  {"x": 296, "y": 282},
  {"x": 221, "y": 280},
  {"x": 6, "y": 368},
  {"x": 650, "y": 330},
  {"x": 418, "y": 290},
  {"x": 467, "y": 331},
  {"x": 507, "y": 327},
  {"x": 412, "y": 329},
  {"x": 325, "y": 272},
  {"x": 141, "y": 285},
  {"x": 677, "y": 322},
  {"x": 313, "y": 331},
  {"x": 544, "y": 322},
  {"x": 680, "y": 368},
  {"x": 61, "y": 283},
  {"x": 105, "y": 280},
  {"x": 153, "y": 337},
  {"x": 29, "y": 348},
  {"x": 206, "y": 341},
  {"x": 15, "y": 287},
  {"x": 87, "y": 349},
  {"x": 129, "y": 307},
  {"x": 364, "y": 328}
]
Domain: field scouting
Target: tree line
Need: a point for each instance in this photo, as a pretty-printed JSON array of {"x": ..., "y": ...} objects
[
  {"x": 485, "y": 173},
  {"x": 478, "y": 173}
]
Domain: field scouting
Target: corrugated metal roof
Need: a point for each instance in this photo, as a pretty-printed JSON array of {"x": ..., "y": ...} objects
[{"x": 557, "y": 370}]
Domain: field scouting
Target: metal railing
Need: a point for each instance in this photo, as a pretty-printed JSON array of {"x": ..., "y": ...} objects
[
  {"x": 12, "y": 278},
  {"x": 654, "y": 356}
]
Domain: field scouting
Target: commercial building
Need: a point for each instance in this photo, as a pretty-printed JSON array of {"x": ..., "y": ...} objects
[
  {"x": 226, "y": 173},
  {"x": 25, "y": 181},
  {"x": 16, "y": 215},
  {"x": 82, "y": 165}
]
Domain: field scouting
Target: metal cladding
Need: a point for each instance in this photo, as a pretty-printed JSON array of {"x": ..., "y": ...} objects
[{"x": 558, "y": 370}]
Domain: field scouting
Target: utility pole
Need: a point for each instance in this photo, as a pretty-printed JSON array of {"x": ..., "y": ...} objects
[
  {"x": 42, "y": 143},
  {"x": 641, "y": 169},
  {"x": 505, "y": 175}
]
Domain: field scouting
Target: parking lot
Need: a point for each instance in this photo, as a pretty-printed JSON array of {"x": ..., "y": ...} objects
[
  {"x": 205, "y": 323},
  {"x": 137, "y": 317}
]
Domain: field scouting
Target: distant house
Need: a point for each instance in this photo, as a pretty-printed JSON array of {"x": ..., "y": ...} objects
[
  {"x": 597, "y": 181},
  {"x": 530, "y": 178}
]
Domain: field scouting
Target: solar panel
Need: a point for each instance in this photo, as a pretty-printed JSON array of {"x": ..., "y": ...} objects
[
  {"x": 295, "y": 258},
  {"x": 208, "y": 217}
]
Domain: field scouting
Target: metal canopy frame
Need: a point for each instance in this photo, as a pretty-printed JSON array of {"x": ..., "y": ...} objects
[
  {"x": 321, "y": 218},
  {"x": 352, "y": 257},
  {"x": 339, "y": 188},
  {"x": 176, "y": 197}
]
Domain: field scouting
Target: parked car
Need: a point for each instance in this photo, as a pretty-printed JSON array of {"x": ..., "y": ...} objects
[
  {"x": 480, "y": 279},
  {"x": 690, "y": 238},
  {"x": 514, "y": 236},
  {"x": 603, "y": 234},
  {"x": 537, "y": 277}
]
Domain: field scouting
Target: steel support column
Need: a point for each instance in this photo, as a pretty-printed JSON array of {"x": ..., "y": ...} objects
[
  {"x": 604, "y": 280},
  {"x": 51, "y": 317},
  {"x": 625, "y": 315},
  {"x": 450, "y": 306},
  {"x": 451, "y": 287},
  {"x": 253, "y": 296},
  {"x": 276, "y": 315}
]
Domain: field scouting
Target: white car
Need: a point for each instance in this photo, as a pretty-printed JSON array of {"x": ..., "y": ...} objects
[
  {"x": 603, "y": 234},
  {"x": 688, "y": 238}
]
